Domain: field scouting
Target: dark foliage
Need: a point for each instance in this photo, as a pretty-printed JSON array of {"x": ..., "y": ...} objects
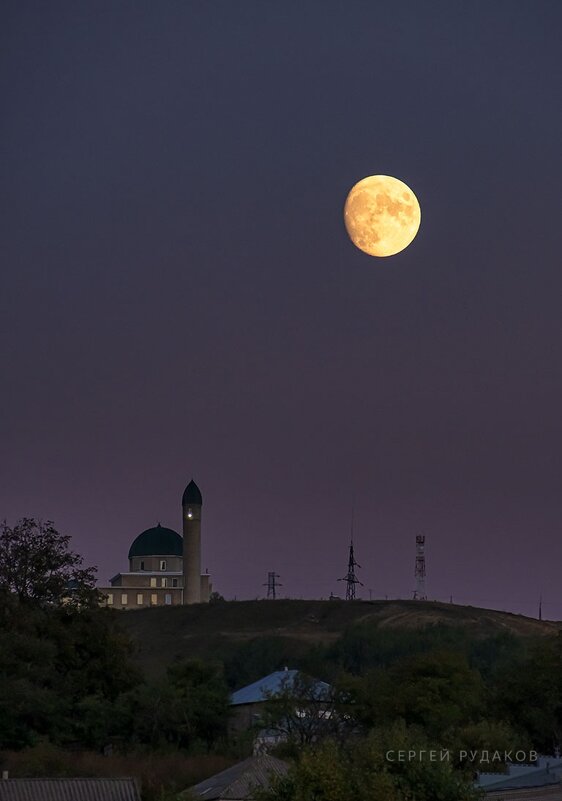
[
  {"x": 37, "y": 566},
  {"x": 68, "y": 676}
]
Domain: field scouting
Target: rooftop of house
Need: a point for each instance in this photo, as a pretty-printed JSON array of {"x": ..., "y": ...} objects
[
  {"x": 238, "y": 782},
  {"x": 275, "y": 683},
  {"x": 68, "y": 789},
  {"x": 542, "y": 773}
]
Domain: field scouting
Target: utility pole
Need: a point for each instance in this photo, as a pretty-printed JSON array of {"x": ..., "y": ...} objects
[
  {"x": 350, "y": 577},
  {"x": 272, "y": 585}
]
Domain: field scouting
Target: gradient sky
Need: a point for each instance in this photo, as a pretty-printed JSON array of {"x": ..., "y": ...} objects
[{"x": 179, "y": 296}]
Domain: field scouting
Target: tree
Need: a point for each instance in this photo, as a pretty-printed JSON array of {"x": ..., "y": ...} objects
[
  {"x": 37, "y": 566},
  {"x": 257, "y": 657},
  {"x": 64, "y": 661},
  {"x": 488, "y": 737},
  {"x": 203, "y": 701},
  {"x": 306, "y": 710},
  {"x": 438, "y": 691},
  {"x": 361, "y": 770},
  {"x": 528, "y": 695},
  {"x": 27, "y": 712},
  {"x": 61, "y": 670},
  {"x": 189, "y": 706}
]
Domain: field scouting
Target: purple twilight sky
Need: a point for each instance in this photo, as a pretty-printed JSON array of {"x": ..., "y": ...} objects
[{"x": 179, "y": 296}]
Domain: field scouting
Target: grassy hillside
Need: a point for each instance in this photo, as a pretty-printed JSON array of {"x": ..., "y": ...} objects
[{"x": 217, "y": 631}]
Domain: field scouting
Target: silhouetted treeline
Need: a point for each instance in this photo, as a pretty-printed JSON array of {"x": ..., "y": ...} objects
[
  {"x": 68, "y": 675},
  {"x": 69, "y": 681},
  {"x": 362, "y": 648},
  {"x": 458, "y": 686}
]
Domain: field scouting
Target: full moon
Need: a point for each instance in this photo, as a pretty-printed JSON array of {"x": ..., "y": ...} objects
[{"x": 382, "y": 215}]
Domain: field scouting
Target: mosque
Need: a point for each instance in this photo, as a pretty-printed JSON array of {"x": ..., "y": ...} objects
[{"x": 164, "y": 568}]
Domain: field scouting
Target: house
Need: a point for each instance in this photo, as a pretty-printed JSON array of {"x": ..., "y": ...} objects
[
  {"x": 248, "y": 703},
  {"x": 69, "y": 789},
  {"x": 239, "y": 782},
  {"x": 541, "y": 780},
  {"x": 285, "y": 705}
]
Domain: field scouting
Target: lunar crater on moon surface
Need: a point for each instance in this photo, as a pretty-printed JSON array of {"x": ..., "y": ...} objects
[{"x": 382, "y": 215}]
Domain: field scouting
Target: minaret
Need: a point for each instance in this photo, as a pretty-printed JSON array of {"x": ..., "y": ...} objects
[{"x": 191, "y": 513}]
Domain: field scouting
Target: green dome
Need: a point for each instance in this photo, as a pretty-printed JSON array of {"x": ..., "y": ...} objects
[
  {"x": 157, "y": 541},
  {"x": 192, "y": 495}
]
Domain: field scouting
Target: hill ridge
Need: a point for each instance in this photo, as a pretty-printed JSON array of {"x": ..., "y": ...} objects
[{"x": 163, "y": 634}]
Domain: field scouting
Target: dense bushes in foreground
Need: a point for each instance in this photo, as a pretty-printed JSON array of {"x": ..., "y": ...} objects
[{"x": 360, "y": 770}]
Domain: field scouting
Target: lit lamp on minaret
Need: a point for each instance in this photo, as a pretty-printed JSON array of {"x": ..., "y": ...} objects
[{"x": 191, "y": 508}]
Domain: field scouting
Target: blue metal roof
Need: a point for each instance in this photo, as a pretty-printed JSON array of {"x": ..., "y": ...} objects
[
  {"x": 546, "y": 771},
  {"x": 270, "y": 685}
]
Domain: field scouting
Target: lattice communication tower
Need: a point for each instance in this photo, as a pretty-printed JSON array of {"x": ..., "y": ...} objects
[{"x": 419, "y": 592}]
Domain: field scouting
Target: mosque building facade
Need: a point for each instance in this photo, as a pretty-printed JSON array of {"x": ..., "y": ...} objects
[{"x": 164, "y": 567}]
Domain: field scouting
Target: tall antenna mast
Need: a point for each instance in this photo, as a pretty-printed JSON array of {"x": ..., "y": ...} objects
[
  {"x": 419, "y": 592},
  {"x": 540, "y": 607},
  {"x": 272, "y": 585},
  {"x": 350, "y": 578}
]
